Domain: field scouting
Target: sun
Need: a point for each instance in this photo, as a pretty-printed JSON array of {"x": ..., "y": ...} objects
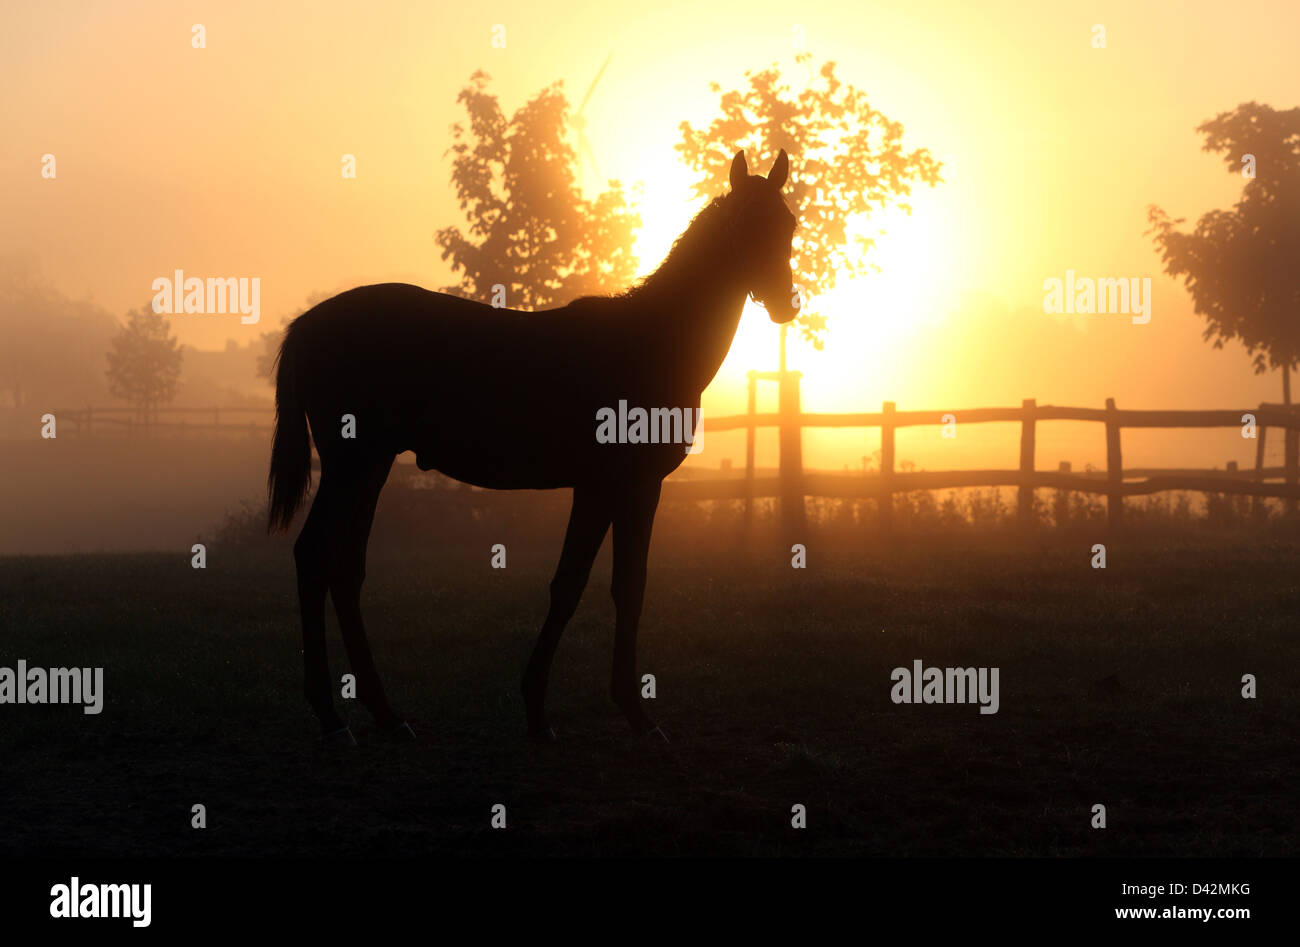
[{"x": 876, "y": 320}]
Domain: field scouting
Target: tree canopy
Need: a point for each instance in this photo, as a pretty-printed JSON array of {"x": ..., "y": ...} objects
[
  {"x": 1242, "y": 266},
  {"x": 530, "y": 229},
  {"x": 847, "y": 161},
  {"x": 144, "y": 362}
]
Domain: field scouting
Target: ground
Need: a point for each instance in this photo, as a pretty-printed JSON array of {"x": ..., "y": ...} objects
[{"x": 1119, "y": 687}]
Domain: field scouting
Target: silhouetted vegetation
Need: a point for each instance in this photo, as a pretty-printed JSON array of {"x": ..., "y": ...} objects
[
  {"x": 413, "y": 499},
  {"x": 851, "y": 163},
  {"x": 530, "y": 228},
  {"x": 1242, "y": 267},
  {"x": 144, "y": 362}
]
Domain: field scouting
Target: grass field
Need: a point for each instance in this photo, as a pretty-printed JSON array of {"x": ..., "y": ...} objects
[{"x": 1120, "y": 687}]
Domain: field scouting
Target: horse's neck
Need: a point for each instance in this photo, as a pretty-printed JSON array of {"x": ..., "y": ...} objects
[
  {"x": 694, "y": 302},
  {"x": 695, "y": 322}
]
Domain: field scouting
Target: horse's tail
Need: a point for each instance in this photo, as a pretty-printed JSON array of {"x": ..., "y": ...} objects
[{"x": 291, "y": 447}]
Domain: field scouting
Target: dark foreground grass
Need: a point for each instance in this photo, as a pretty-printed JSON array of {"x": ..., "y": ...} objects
[{"x": 1119, "y": 687}]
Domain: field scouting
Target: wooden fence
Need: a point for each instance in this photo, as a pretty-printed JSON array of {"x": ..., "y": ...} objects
[
  {"x": 792, "y": 484},
  {"x": 168, "y": 422}
]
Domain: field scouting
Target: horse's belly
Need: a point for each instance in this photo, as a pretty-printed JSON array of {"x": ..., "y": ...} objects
[
  {"x": 503, "y": 454},
  {"x": 529, "y": 463},
  {"x": 495, "y": 472}
]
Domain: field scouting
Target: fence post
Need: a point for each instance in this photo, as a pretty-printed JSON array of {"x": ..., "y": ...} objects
[
  {"x": 1061, "y": 501},
  {"x": 1292, "y": 442},
  {"x": 750, "y": 434},
  {"x": 1030, "y": 406},
  {"x": 1261, "y": 432},
  {"x": 791, "y": 449},
  {"x": 886, "y": 496},
  {"x": 1114, "y": 468}
]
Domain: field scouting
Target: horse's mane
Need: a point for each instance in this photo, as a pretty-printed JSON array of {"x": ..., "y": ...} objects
[{"x": 689, "y": 253}]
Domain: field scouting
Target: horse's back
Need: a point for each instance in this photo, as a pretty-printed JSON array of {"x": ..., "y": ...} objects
[
  {"x": 398, "y": 336},
  {"x": 389, "y": 319},
  {"x": 494, "y": 397}
]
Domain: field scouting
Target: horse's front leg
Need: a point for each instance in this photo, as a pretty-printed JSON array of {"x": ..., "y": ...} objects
[{"x": 634, "y": 516}]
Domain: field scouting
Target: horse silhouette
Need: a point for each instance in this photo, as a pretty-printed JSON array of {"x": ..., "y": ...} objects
[{"x": 511, "y": 400}]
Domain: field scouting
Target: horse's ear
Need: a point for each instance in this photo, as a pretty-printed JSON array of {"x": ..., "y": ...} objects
[
  {"x": 780, "y": 170},
  {"x": 739, "y": 170}
]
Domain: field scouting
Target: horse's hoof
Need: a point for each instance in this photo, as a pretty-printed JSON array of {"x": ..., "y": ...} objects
[
  {"x": 542, "y": 735},
  {"x": 656, "y": 736},
  {"x": 342, "y": 737}
]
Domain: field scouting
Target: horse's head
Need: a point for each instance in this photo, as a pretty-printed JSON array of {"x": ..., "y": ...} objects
[{"x": 764, "y": 228}]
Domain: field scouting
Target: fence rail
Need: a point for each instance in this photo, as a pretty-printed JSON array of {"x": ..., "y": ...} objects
[
  {"x": 1115, "y": 482},
  {"x": 793, "y": 485},
  {"x": 92, "y": 421}
]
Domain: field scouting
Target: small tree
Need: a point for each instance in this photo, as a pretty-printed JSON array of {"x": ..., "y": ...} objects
[
  {"x": 847, "y": 161},
  {"x": 1242, "y": 267},
  {"x": 530, "y": 229},
  {"x": 144, "y": 363}
]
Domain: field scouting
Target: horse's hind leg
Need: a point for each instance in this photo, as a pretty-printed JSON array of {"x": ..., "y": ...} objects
[
  {"x": 309, "y": 553},
  {"x": 588, "y": 522},
  {"x": 347, "y": 574}
]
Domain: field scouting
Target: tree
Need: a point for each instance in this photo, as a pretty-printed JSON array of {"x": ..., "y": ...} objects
[
  {"x": 144, "y": 362},
  {"x": 530, "y": 229},
  {"x": 50, "y": 345},
  {"x": 1242, "y": 267},
  {"x": 849, "y": 161}
]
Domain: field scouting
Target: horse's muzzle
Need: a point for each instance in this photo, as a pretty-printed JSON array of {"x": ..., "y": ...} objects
[{"x": 780, "y": 308}]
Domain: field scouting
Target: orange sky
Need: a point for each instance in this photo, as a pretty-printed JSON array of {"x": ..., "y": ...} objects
[{"x": 225, "y": 161}]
